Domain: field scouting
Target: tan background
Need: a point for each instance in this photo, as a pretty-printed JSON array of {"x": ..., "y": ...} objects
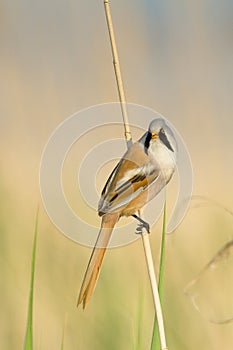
[{"x": 55, "y": 60}]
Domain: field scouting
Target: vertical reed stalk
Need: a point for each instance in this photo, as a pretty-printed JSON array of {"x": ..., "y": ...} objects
[
  {"x": 145, "y": 237},
  {"x": 118, "y": 75}
]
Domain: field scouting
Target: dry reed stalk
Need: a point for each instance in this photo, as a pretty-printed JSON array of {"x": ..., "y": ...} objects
[{"x": 128, "y": 137}]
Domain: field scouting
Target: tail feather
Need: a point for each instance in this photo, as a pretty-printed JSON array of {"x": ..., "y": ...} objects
[{"x": 96, "y": 259}]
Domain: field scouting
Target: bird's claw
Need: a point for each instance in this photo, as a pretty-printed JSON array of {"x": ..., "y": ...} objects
[{"x": 142, "y": 226}]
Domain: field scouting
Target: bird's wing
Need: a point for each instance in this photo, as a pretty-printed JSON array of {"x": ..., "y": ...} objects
[{"x": 133, "y": 174}]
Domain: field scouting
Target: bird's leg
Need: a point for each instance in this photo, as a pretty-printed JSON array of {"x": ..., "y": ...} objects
[{"x": 143, "y": 224}]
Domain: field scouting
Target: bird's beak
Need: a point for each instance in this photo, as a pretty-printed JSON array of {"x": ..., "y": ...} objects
[{"x": 154, "y": 135}]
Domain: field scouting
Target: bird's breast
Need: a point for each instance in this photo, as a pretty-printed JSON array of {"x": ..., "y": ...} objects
[{"x": 165, "y": 160}]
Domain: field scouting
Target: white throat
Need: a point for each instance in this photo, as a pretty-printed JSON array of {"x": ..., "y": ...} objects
[{"x": 164, "y": 157}]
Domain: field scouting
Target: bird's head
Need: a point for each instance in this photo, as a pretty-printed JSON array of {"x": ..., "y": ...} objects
[{"x": 159, "y": 131}]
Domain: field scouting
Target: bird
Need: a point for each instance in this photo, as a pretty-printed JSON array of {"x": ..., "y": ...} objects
[{"x": 142, "y": 172}]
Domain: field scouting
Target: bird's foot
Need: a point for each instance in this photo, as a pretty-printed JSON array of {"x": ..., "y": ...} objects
[{"x": 142, "y": 224}]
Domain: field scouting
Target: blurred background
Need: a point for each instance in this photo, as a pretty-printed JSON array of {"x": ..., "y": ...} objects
[{"x": 176, "y": 58}]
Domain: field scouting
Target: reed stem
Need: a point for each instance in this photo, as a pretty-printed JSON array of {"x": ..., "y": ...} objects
[{"x": 128, "y": 137}]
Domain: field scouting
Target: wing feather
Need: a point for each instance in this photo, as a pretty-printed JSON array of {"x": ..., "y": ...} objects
[{"x": 128, "y": 179}]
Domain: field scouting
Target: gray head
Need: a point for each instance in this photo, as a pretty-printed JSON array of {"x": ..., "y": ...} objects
[{"x": 159, "y": 130}]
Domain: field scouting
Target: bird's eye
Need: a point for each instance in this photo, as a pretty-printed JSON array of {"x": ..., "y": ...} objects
[{"x": 162, "y": 130}]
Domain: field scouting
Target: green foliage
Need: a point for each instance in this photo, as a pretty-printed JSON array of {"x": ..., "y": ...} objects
[
  {"x": 155, "y": 343},
  {"x": 28, "y": 344}
]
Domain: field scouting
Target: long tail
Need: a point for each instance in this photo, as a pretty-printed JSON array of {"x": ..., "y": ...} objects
[{"x": 96, "y": 259}]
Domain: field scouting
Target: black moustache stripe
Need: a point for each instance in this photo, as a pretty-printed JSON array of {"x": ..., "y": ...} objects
[
  {"x": 147, "y": 141},
  {"x": 165, "y": 141}
]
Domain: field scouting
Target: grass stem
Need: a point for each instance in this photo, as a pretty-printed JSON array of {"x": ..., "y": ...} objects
[
  {"x": 155, "y": 344},
  {"x": 28, "y": 343}
]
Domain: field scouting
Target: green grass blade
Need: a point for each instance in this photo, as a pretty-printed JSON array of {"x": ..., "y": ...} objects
[
  {"x": 63, "y": 334},
  {"x": 62, "y": 341},
  {"x": 28, "y": 343},
  {"x": 155, "y": 343},
  {"x": 139, "y": 335}
]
